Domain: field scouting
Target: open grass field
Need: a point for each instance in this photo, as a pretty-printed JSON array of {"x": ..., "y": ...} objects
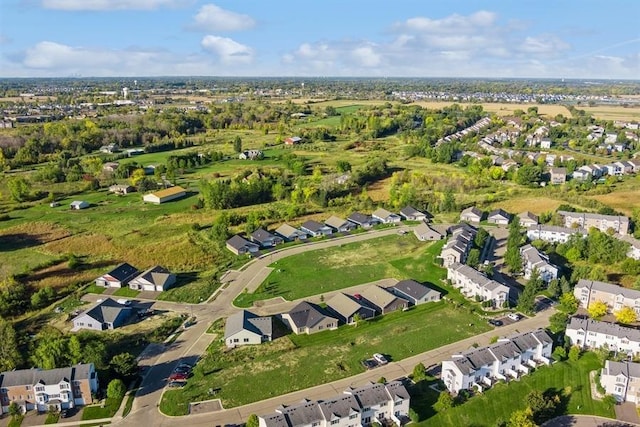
[
  {"x": 296, "y": 362},
  {"x": 537, "y": 205},
  {"x": 613, "y": 112},
  {"x": 331, "y": 269},
  {"x": 624, "y": 200},
  {"x": 498, "y": 403}
]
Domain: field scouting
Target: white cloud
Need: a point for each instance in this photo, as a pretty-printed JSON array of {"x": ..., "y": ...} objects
[
  {"x": 453, "y": 24},
  {"x": 366, "y": 56},
  {"x": 111, "y": 4},
  {"x": 544, "y": 45},
  {"x": 213, "y": 18},
  {"x": 229, "y": 51}
]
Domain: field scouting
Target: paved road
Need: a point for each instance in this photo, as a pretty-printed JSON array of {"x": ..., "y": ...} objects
[{"x": 585, "y": 421}]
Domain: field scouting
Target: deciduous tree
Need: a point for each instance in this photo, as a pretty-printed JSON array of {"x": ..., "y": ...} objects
[
  {"x": 9, "y": 353},
  {"x": 626, "y": 315},
  {"x": 597, "y": 309}
]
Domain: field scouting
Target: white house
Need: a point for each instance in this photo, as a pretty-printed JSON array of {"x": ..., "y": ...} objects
[
  {"x": 509, "y": 358},
  {"x": 532, "y": 259},
  {"x": 244, "y": 328},
  {"x": 156, "y": 279},
  {"x": 590, "y": 333},
  {"x": 552, "y": 233},
  {"x": 474, "y": 284},
  {"x": 386, "y": 217},
  {"x": 499, "y": 217},
  {"x": 459, "y": 244},
  {"x": 471, "y": 214},
  {"x": 621, "y": 380}
]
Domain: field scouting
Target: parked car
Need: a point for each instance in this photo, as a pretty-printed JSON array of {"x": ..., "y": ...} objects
[
  {"x": 380, "y": 358},
  {"x": 173, "y": 384},
  {"x": 495, "y": 322},
  {"x": 178, "y": 376},
  {"x": 182, "y": 370},
  {"x": 514, "y": 316},
  {"x": 64, "y": 413}
]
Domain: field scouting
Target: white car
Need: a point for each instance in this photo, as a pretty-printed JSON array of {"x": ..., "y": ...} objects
[
  {"x": 380, "y": 358},
  {"x": 514, "y": 316}
]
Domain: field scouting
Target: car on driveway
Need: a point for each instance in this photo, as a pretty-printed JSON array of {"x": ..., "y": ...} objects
[
  {"x": 64, "y": 413},
  {"x": 178, "y": 376},
  {"x": 174, "y": 384},
  {"x": 182, "y": 370},
  {"x": 380, "y": 358},
  {"x": 514, "y": 316},
  {"x": 495, "y": 322}
]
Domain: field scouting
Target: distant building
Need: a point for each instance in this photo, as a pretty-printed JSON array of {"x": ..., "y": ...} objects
[
  {"x": 79, "y": 204},
  {"x": 619, "y": 224},
  {"x": 166, "y": 195},
  {"x": 528, "y": 219},
  {"x": 471, "y": 214},
  {"x": 558, "y": 175},
  {"x": 293, "y": 140}
]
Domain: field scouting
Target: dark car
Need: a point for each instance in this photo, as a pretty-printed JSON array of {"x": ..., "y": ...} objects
[
  {"x": 495, "y": 322},
  {"x": 182, "y": 370},
  {"x": 64, "y": 413}
]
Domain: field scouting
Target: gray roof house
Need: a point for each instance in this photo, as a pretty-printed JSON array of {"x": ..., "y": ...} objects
[
  {"x": 340, "y": 225},
  {"x": 528, "y": 219},
  {"x": 245, "y": 328},
  {"x": 410, "y": 213},
  {"x": 499, "y": 216},
  {"x": 362, "y": 220},
  {"x": 118, "y": 277},
  {"x": 290, "y": 233},
  {"x": 156, "y": 279},
  {"x": 308, "y": 318},
  {"x": 386, "y": 217},
  {"x": 265, "y": 239},
  {"x": 345, "y": 308},
  {"x": 106, "y": 314},
  {"x": 341, "y": 409},
  {"x": 382, "y": 300},
  {"x": 425, "y": 233},
  {"x": 239, "y": 245},
  {"x": 471, "y": 214},
  {"x": 316, "y": 229},
  {"x": 414, "y": 292},
  {"x": 306, "y": 413}
]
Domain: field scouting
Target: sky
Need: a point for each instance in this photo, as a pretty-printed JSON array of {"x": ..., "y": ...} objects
[{"x": 588, "y": 39}]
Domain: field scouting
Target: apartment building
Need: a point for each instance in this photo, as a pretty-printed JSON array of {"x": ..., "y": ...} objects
[
  {"x": 616, "y": 297},
  {"x": 621, "y": 380},
  {"x": 552, "y": 233},
  {"x": 458, "y": 245},
  {"x": 534, "y": 260},
  {"x": 619, "y": 224},
  {"x": 589, "y": 334},
  {"x": 474, "y": 284}
]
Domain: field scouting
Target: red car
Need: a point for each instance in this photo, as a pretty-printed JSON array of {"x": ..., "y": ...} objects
[{"x": 178, "y": 376}]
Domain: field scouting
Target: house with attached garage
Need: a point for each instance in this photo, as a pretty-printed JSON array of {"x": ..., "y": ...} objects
[
  {"x": 592, "y": 334},
  {"x": 156, "y": 279},
  {"x": 245, "y": 328},
  {"x": 316, "y": 229},
  {"x": 106, "y": 314},
  {"x": 240, "y": 246},
  {"x": 528, "y": 219},
  {"x": 410, "y": 213},
  {"x": 265, "y": 239},
  {"x": 118, "y": 277},
  {"x": 42, "y": 390},
  {"x": 308, "y": 318},
  {"x": 340, "y": 225},
  {"x": 291, "y": 234},
  {"x": 424, "y": 233},
  {"x": 362, "y": 220},
  {"x": 414, "y": 292},
  {"x": 166, "y": 195},
  {"x": 621, "y": 380},
  {"x": 347, "y": 308},
  {"x": 471, "y": 214},
  {"x": 382, "y": 300},
  {"x": 509, "y": 358},
  {"x": 499, "y": 217},
  {"x": 386, "y": 217}
]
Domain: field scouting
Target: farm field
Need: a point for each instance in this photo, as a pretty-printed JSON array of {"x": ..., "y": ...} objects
[
  {"x": 331, "y": 269},
  {"x": 485, "y": 410},
  {"x": 616, "y": 112},
  {"x": 295, "y": 362}
]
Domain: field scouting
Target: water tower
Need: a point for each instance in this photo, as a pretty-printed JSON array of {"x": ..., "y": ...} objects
[{"x": 125, "y": 92}]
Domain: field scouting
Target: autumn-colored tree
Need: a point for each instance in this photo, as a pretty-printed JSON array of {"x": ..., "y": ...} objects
[
  {"x": 626, "y": 315},
  {"x": 597, "y": 309}
]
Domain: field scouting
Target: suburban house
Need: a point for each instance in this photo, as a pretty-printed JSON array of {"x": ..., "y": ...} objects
[
  {"x": 244, "y": 328},
  {"x": 340, "y": 225},
  {"x": 251, "y": 155},
  {"x": 557, "y": 175},
  {"x": 382, "y": 300},
  {"x": 414, "y": 292},
  {"x": 265, "y": 239},
  {"x": 509, "y": 358},
  {"x": 316, "y": 229},
  {"x": 346, "y": 308},
  {"x": 589, "y": 291},
  {"x": 362, "y": 220},
  {"x": 118, "y": 277},
  {"x": 634, "y": 245},
  {"x": 110, "y": 167},
  {"x": 308, "y": 318},
  {"x": 291, "y": 234},
  {"x": 110, "y": 148},
  {"x": 528, "y": 219},
  {"x": 156, "y": 279},
  {"x": 121, "y": 189},
  {"x": 78, "y": 204},
  {"x": 580, "y": 175},
  {"x": 619, "y": 224},
  {"x": 293, "y": 140},
  {"x": 239, "y": 245},
  {"x": 381, "y": 403},
  {"x": 425, "y": 233},
  {"x": 534, "y": 260},
  {"x": 499, "y": 217},
  {"x": 106, "y": 314},
  {"x": 410, "y": 213},
  {"x": 165, "y": 195},
  {"x": 545, "y": 143},
  {"x": 60, "y": 388},
  {"x": 474, "y": 284},
  {"x": 471, "y": 214},
  {"x": 386, "y": 217},
  {"x": 621, "y": 380},
  {"x": 553, "y": 233},
  {"x": 592, "y": 334},
  {"x": 458, "y": 246}
]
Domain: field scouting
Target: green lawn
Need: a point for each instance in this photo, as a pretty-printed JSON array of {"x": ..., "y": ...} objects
[
  {"x": 126, "y": 292},
  {"x": 500, "y": 401},
  {"x": 325, "y": 270},
  {"x": 95, "y": 289},
  {"x": 297, "y": 362},
  {"x": 52, "y": 418},
  {"x": 97, "y": 412}
]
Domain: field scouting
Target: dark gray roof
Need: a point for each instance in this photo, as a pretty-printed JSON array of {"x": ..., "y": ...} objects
[
  {"x": 499, "y": 212},
  {"x": 123, "y": 272},
  {"x": 275, "y": 420},
  {"x": 397, "y": 390},
  {"x": 304, "y": 413},
  {"x": 106, "y": 311},
  {"x": 51, "y": 376},
  {"x": 339, "y": 407},
  {"x": 246, "y": 320},
  {"x": 576, "y": 323},
  {"x": 628, "y": 369},
  {"x": 472, "y": 210},
  {"x": 239, "y": 242},
  {"x": 414, "y": 289},
  {"x": 370, "y": 395},
  {"x": 261, "y": 235},
  {"x": 308, "y": 315},
  {"x": 411, "y": 211},
  {"x": 360, "y": 218},
  {"x": 313, "y": 226}
]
